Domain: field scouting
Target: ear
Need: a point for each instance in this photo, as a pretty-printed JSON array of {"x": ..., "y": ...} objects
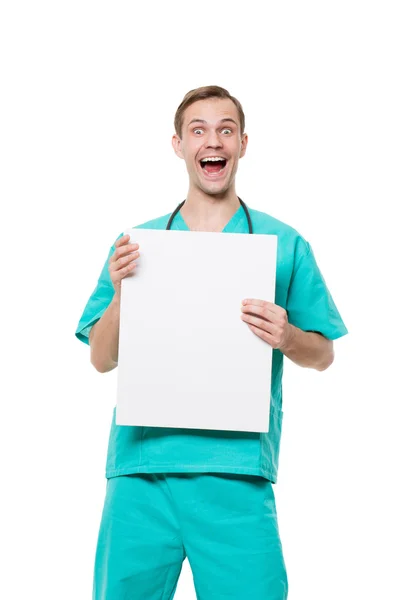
[
  {"x": 245, "y": 139},
  {"x": 176, "y": 144}
]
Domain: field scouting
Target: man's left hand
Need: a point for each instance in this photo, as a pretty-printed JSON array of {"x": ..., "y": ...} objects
[{"x": 269, "y": 321}]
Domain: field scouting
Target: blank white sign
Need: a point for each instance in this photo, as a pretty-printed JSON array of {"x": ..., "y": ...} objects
[{"x": 186, "y": 359}]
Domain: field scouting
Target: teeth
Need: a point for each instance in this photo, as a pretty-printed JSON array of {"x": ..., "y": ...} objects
[{"x": 212, "y": 159}]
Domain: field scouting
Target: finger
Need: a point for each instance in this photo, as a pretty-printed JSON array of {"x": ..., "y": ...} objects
[
  {"x": 264, "y": 312},
  {"x": 117, "y": 275},
  {"x": 123, "y": 250},
  {"x": 122, "y": 240},
  {"x": 260, "y": 323},
  {"x": 264, "y": 335},
  {"x": 269, "y": 305},
  {"x": 123, "y": 261}
]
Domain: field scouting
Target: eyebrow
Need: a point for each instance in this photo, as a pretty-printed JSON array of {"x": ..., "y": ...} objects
[{"x": 221, "y": 121}]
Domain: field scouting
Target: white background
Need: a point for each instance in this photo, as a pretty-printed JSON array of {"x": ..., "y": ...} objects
[{"x": 89, "y": 93}]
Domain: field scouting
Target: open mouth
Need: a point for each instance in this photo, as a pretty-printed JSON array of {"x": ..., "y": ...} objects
[{"x": 213, "y": 168}]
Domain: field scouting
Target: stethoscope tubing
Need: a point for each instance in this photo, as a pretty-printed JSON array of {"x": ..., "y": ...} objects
[{"x": 246, "y": 210}]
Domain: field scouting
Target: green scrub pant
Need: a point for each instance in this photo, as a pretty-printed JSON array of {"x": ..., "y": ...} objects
[{"x": 225, "y": 524}]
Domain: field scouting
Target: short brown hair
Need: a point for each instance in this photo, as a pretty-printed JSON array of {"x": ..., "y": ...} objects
[{"x": 202, "y": 93}]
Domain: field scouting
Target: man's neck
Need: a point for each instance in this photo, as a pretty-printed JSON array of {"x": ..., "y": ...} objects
[{"x": 203, "y": 212}]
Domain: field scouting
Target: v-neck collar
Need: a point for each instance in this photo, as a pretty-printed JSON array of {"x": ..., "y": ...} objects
[{"x": 232, "y": 225}]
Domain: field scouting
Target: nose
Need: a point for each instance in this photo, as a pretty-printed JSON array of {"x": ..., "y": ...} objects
[{"x": 213, "y": 139}]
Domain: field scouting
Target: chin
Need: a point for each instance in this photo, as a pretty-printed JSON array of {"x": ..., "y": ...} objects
[
  {"x": 215, "y": 188},
  {"x": 214, "y": 191}
]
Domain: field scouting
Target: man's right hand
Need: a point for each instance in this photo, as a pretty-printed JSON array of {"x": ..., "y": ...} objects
[
  {"x": 122, "y": 261},
  {"x": 104, "y": 335}
]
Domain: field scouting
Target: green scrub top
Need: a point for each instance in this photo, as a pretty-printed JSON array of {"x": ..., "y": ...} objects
[{"x": 301, "y": 290}]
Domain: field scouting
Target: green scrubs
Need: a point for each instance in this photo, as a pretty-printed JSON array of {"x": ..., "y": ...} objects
[
  {"x": 301, "y": 290},
  {"x": 224, "y": 524},
  {"x": 204, "y": 494}
]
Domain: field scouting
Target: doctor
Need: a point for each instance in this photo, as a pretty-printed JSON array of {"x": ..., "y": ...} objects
[{"x": 204, "y": 494}]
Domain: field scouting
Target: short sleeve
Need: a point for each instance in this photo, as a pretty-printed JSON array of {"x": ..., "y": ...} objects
[
  {"x": 98, "y": 301},
  {"x": 310, "y": 306}
]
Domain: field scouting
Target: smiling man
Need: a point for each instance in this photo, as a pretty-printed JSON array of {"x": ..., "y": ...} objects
[
  {"x": 209, "y": 138},
  {"x": 204, "y": 494}
]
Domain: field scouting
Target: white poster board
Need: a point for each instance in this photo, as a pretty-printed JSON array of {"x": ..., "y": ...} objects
[{"x": 186, "y": 358}]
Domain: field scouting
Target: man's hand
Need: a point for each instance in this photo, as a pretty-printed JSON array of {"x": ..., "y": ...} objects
[
  {"x": 122, "y": 262},
  {"x": 269, "y": 321}
]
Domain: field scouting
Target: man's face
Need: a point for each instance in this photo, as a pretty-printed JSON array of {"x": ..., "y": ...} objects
[{"x": 211, "y": 129}]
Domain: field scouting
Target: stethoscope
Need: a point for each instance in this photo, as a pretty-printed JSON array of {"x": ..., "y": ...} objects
[{"x": 178, "y": 208}]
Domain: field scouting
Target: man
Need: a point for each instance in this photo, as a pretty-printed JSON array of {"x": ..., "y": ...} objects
[{"x": 205, "y": 494}]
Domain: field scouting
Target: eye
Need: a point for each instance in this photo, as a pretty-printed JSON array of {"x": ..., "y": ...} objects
[
  {"x": 198, "y": 129},
  {"x": 227, "y": 129}
]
